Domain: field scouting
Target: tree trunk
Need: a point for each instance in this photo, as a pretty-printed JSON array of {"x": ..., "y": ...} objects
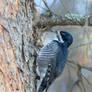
[{"x": 17, "y": 46}]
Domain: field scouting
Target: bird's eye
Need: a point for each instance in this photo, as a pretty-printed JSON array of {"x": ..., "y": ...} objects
[{"x": 63, "y": 33}]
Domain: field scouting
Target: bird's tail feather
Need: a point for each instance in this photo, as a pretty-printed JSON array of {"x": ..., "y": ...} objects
[{"x": 46, "y": 80}]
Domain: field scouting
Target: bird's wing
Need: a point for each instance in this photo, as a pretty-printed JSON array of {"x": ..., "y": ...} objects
[{"x": 47, "y": 53}]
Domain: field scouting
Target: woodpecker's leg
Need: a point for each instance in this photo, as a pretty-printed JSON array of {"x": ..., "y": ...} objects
[{"x": 37, "y": 77}]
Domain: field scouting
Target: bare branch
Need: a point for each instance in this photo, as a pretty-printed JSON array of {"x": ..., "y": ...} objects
[
  {"x": 83, "y": 84},
  {"x": 40, "y": 7},
  {"x": 79, "y": 81},
  {"x": 80, "y": 75},
  {"x": 49, "y": 10},
  {"x": 87, "y": 80},
  {"x": 51, "y": 19},
  {"x": 80, "y": 45},
  {"x": 70, "y": 19},
  {"x": 61, "y": 1},
  {"x": 46, "y": 5},
  {"x": 71, "y": 65},
  {"x": 81, "y": 65},
  {"x": 75, "y": 83},
  {"x": 54, "y": 1}
]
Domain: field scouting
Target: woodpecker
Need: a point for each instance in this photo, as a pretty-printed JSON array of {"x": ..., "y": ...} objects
[{"x": 52, "y": 58}]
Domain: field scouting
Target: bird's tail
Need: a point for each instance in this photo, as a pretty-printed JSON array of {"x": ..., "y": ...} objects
[{"x": 46, "y": 80}]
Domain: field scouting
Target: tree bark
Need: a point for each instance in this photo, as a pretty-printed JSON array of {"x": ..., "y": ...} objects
[{"x": 17, "y": 46}]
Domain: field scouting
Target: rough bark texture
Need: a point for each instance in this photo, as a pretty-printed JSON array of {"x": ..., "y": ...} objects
[{"x": 16, "y": 46}]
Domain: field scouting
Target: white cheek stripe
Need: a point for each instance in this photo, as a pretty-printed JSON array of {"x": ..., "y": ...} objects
[{"x": 61, "y": 40}]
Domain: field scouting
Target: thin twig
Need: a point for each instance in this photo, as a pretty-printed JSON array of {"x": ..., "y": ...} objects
[
  {"x": 87, "y": 80},
  {"x": 80, "y": 45},
  {"x": 51, "y": 12},
  {"x": 81, "y": 65},
  {"x": 40, "y": 7},
  {"x": 70, "y": 65},
  {"x": 61, "y": 1},
  {"x": 80, "y": 75},
  {"x": 83, "y": 84},
  {"x": 46, "y": 5},
  {"x": 54, "y": 1}
]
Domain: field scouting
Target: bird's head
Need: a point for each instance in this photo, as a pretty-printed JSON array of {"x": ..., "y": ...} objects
[{"x": 67, "y": 37}]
